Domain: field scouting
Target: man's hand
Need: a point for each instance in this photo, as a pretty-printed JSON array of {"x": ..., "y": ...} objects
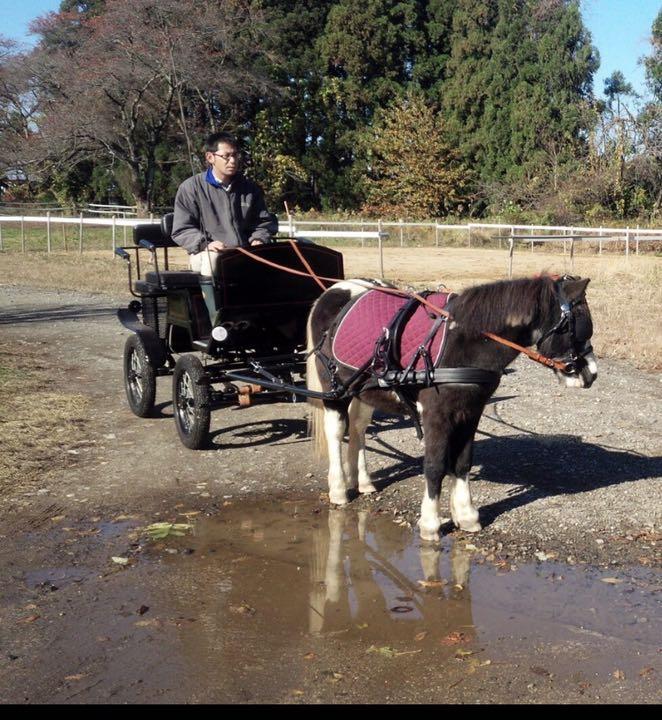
[
  {"x": 216, "y": 246},
  {"x": 257, "y": 242}
]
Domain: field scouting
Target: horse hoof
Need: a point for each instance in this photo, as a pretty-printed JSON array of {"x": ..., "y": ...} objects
[
  {"x": 366, "y": 489},
  {"x": 427, "y": 535},
  {"x": 471, "y": 527},
  {"x": 338, "y": 499}
]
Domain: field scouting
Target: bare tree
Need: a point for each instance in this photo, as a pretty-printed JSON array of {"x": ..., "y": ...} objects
[{"x": 121, "y": 82}]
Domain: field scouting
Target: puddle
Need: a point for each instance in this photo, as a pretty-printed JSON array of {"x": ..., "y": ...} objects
[
  {"x": 289, "y": 601},
  {"x": 296, "y": 570}
]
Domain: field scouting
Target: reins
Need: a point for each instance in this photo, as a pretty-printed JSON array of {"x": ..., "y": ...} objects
[{"x": 531, "y": 354}]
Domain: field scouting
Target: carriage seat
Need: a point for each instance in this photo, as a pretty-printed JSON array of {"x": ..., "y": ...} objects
[{"x": 159, "y": 235}]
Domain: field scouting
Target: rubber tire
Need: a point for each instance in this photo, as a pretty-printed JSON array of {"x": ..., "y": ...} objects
[
  {"x": 139, "y": 377},
  {"x": 191, "y": 402}
]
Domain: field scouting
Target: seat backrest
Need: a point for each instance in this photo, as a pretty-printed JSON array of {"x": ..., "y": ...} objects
[
  {"x": 166, "y": 225},
  {"x": 153, "y": 232}
]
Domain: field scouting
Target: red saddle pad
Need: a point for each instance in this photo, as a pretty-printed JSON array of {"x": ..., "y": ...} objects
[{"x": 364, "y": 323}]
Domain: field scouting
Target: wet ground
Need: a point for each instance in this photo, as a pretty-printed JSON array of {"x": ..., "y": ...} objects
[
  {"x": 291, "y": 601},
  {"x": 270, "y": 596}
]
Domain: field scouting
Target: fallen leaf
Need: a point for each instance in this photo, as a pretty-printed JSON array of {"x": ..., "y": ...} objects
[
  {"x": 30, "y": 619},
  {"x": 242, "y": 609},
  {"x": 155, "y": 622},
  {"x": 454, "y": 638},
  {"x": 362, "y": 626},
  {"x": 612, "y": 580},
  {"x": 420, "y": 636},
  {"x": 80, "y": 676},
  {"x": 143, "y": 609},
  {"x": 431, "y": 583},
  {"x": 463, "y": 653},
  {"x": 646, "y": 671},
  {"x": 309, "y": 656},
  {"x": 57, "y": 518},
  {"x": 120, "y": 560},
  {"x": 296, "y": 692},
  {"x": 540, "y": 671},
  {"x": 384, "y": 650},
  {"x": 618, "y": 674}
]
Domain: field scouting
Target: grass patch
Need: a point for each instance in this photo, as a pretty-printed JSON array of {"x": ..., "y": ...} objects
[
  {"x": 37, "y": 425},
  {"x": 625, "y": 294}
]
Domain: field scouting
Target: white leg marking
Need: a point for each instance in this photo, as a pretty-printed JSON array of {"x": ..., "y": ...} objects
[
  {"x": 360, "y": 415},
  {"x": 334, "y": 429},
  {"x": 464, "y": 514},
  {"x": 430, "y": 522}
]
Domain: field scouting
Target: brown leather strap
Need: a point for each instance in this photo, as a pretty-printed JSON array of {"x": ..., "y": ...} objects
[{"x": 532, "y": 354}]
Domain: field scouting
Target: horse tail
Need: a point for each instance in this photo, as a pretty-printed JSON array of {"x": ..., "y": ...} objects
[{"x": 314, "y": 382}]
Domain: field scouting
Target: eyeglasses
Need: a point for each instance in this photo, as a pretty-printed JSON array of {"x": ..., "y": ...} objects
[{"x": 229, "y": 156}]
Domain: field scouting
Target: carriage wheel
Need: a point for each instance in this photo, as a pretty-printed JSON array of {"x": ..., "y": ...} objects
[
  {"x": 139, "y": 377},
  {"x": 191, "y": 400}
]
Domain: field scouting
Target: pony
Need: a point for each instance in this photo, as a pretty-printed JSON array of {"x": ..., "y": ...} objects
[{"x": 546, "y": 311}]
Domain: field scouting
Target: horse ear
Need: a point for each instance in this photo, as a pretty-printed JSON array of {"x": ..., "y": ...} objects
[{"x": 574, "y": 289}]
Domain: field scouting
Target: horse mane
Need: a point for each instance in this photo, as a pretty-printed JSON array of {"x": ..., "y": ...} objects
[{"x": 493, "y": 306}]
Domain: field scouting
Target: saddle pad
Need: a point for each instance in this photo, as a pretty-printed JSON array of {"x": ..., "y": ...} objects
[{"x": 364, "y": 323}]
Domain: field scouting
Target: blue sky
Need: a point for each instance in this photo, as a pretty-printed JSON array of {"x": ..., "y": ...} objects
[{"x": 620, "y": 30}]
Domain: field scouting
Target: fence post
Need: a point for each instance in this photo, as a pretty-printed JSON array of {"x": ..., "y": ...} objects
[
  {"x": 114, "y": 234},
  {"x": 470, "y": 235},
  {"x": 80, "y": 234},
  {"x": 511, "y": 246},
  {"x": 48, "y": 231},
  {"x": 362, "y": 238},
  {"x": 572, "y": 255},
  {"x": 22, "y": 233},
  {"x": 124, "y": 218},
  {"x": 402, "y": 237},
  {"x": 64, "y": 232},
  {"x": 0, "y": 236},
  {"x": 636, "y": 241},
  {"x": 600, "y": 243},
  {"x": 627, "y": 242},
  {"x": 436, "y": 233},
  {"x": 381, "y": 249}
]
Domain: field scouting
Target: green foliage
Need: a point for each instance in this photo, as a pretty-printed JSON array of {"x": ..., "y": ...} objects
[{"x": 413, "y": 171}]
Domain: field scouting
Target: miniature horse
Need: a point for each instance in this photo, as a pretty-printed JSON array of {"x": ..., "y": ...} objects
[{"x": 545, "y": 311}]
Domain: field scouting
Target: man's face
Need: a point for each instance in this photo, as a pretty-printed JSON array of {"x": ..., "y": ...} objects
[{"x": 224, "y": 162}]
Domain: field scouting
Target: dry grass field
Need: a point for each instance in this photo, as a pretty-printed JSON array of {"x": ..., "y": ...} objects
[{"x": 625, "y": 294}]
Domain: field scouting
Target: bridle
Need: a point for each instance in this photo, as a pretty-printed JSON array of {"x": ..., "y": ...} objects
[{"x": 575, "y": 357}]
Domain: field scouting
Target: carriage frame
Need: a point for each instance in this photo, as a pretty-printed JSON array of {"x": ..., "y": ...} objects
[{"x": 237, "y": 339}]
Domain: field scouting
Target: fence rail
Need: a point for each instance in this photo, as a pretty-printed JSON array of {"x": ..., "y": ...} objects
[{"x": 370, "y": 230}]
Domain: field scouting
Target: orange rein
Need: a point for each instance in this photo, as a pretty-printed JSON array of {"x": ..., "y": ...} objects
[{"x": 532, "y": 354}]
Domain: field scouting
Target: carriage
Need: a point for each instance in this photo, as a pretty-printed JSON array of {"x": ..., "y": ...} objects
[
  {"x": 271, "y": 334},
  {"x": 233, "y": 340}
]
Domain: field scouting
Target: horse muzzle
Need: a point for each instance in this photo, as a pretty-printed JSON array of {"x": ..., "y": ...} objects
[{"x": 581, "y": 370}]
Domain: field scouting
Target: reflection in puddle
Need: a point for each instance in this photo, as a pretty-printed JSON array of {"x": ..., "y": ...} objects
[{"x": 274, "y": 582}]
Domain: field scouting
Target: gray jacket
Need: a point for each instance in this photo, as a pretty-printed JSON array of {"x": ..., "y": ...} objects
[{"x": 236, "y": 216}]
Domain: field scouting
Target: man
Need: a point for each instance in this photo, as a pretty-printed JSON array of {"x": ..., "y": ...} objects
[{"x": 220, "y": 208}]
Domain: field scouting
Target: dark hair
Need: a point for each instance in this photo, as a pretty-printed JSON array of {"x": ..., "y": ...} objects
[{"x": 211, "y": 144}]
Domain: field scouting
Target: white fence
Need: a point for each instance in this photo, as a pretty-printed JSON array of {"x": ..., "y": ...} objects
[{"x": 370, "y": 230}]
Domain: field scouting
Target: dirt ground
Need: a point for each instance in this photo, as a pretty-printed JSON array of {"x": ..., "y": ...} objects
[{"x": 561, "y": 476}]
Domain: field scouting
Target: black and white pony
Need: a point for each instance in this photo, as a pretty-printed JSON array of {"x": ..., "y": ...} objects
[{"x": 548, "y": 312}]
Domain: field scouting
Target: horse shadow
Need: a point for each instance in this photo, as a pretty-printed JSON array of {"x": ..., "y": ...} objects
[
  {"x": 548, "y": 465},
  {"x": 539, "y": 465}
]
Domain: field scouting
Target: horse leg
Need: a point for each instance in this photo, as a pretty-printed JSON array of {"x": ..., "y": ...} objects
[
  {"x": 360, "y": 415},
  {"x": 463, "y": 512},
  {"x": 435, "y": 470},
  {"x": 334, "y": 429}
]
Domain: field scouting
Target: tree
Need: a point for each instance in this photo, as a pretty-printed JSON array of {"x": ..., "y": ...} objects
[
  {"x": 412, "y": 169},
  {"x": 140, "y": 69}
]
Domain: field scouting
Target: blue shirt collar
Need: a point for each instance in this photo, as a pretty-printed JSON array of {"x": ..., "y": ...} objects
[{"x": 209, "y": 177}]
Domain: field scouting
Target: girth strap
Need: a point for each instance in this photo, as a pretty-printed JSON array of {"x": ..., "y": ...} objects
[{"x": 440, "y": 376}]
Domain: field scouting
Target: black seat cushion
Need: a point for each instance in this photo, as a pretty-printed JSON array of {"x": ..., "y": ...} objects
[{"x": 174, "y": 279}]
